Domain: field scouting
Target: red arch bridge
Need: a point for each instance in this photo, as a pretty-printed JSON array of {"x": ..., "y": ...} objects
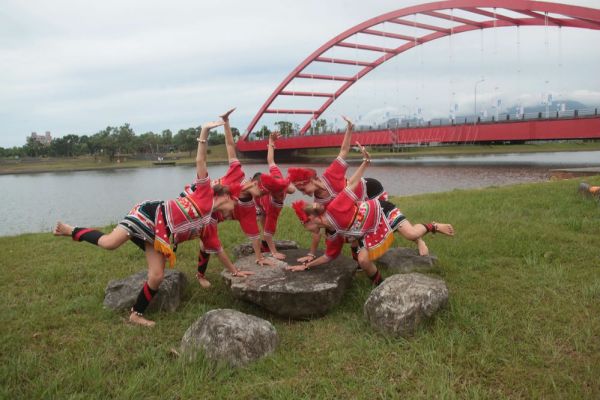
[{"x": 427, "y": 22}]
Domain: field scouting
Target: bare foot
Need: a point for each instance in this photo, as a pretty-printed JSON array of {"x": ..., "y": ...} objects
[
  {"x": 423, "y": 249},
  {"x": 204, "y": 283},
  {"x": 134, "y": 318},
  {"x": 62, "y": 229},
  {"x": 225, "y": 116},
  {"x": 445, "y": 229}
]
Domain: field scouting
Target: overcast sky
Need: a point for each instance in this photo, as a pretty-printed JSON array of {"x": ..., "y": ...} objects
[{"x": 76, "y": 67}]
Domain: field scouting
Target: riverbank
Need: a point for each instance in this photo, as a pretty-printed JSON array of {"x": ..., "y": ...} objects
[
  {"x": 522, "y": 322},
  {"x": 218, "y": 155}
]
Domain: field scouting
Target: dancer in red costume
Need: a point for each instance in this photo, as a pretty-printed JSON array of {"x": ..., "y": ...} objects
[
  {"x": 371, "y": 223},
  {"x": 244, "y": 212},
  {"x": 156, "y": 226},
  {"x": 274, "y": 187},
  {"x": 332, "y": 182}
]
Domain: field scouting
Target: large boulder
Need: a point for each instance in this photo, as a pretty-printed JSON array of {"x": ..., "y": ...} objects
[
  {"x": 230, "y": 336},
  {"x": 297, "y": 295},
  {"x": 402, "y": 302},
  {"x": 404, "y": 260},
  {"x": 245, "y": 249},
  {"x": 121, "y": 294}
]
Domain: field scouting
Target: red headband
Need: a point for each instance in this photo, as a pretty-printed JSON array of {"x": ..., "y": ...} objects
[
  {"x": 268, "y": 183},
  {"x": 298, "y": 207},
  {"x": 301, "y": 175}
]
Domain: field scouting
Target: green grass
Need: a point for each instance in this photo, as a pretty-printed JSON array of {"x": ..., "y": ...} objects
[{"x": 523, "y": 322}]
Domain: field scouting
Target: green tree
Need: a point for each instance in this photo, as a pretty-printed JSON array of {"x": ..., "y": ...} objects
[
  {"x": 285, "y": 128},
  {"x": 264, "y": 132},
  {"x": 185, "y": 139}
]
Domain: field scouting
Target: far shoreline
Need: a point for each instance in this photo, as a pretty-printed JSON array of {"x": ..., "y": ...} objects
[{"x": 315, "y": 156}]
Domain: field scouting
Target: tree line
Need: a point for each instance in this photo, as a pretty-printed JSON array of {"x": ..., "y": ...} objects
[{"x": 113, "y": 141}]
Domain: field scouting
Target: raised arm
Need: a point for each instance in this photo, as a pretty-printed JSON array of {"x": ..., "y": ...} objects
[
  {"x": 202, "y": 146},
  {"x": 358, "y": 174},
  {"x": 271, "y": 148},
  {"x": 345, "y": 148},
  {"x": 229, "y": 143}
]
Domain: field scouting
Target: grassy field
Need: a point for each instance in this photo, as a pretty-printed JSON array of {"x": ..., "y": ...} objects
[{"x": 523, "y": 321}]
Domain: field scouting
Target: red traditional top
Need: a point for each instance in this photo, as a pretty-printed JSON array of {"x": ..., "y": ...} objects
[
  {"x": 244, "y": 211},
  {"x": 189, "y": 213},
  {"x": 334, "y": 179},
  {"x": 352, "y": 218},
  {"x": 270, "y": 204}
]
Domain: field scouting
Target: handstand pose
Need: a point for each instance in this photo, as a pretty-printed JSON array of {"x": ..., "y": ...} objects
[
  {"x": 331, "y": 183},
  {"x": 154, "y": 225},
  {"x": 370, "y": 222},
  {"x": 244, "y": 210},
  {"x": 274, "y": 187}
]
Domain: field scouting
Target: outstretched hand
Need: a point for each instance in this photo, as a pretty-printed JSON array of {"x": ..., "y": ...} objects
[
  {"x": 274, "y": 136},
  {"x": 225, "y": 117},
  {"x": 296, "y": 268},
  {"x": 212, "y": 124},
  {"x": 243, "y": 274},
  {"x": 364, "y": 152},
  {"x": 348, "y": 121}
]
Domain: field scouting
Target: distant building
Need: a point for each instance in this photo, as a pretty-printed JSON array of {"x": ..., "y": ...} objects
[{"x": 43, "y": 139}]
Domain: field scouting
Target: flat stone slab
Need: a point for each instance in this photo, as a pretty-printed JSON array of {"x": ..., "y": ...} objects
[
  {"x": 245, "y": 249},
  {"x": 230, "y": 336},
  {"x": 404, "y": 260},
  {"x": 121, "y": 294},
  {"x": 296, "y": 295},
  {"x": 403, "y": 302}
]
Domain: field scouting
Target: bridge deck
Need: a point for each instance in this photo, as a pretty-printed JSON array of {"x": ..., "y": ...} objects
[{"x": 554, "y": 129}]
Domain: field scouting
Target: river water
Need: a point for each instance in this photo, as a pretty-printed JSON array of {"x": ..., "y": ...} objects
[{"x": 34, "y": 202}]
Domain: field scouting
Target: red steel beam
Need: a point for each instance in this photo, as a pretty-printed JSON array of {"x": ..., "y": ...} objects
[
  {"x": 419, "y": 25},
  {"x": 390, "y": 35},
  {"x": 453, "y": 18},
  {"x": 285, "y": 111},
  {"x": 501, "y": 17},
  {"x": 365, "y": 47},
  {"x": 343, "y": 61},
  {"x": 307, "y": 94},
  {"x": 326, "y": 77}
]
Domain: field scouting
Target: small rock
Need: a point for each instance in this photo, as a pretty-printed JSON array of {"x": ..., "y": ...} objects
[
  {"x": 403, "y": 301},
  {"x": 245, "y": 249},
  {"x": 121, "y": 294},
  {"x": 404, "y": 260},
  {"x": 297, "y": 295},
  {"x": 230, "y": 336}
]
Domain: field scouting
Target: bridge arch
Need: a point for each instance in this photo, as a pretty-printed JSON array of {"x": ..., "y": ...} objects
[{"x": 503, "y": 13}]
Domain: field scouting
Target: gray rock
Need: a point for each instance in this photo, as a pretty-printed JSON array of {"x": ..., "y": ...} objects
[
  {"x": 245, "y": 249},
  {"x": 230, "y": 336},
  {"x": 402, "y": 302},
  {"x": 404, "y": 260},
  {"x": 297, "y": 295},
  {"x": 121, "y": 294}
]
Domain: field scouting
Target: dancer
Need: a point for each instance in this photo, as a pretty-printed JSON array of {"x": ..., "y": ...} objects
[
  {"x": 274, "y": 187},
  {"x": 156, "y": 225},
  {"x": 331, "y": 183},
  {"x": 244, "y": 211},
  {"x": 370, "y": 222}
]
